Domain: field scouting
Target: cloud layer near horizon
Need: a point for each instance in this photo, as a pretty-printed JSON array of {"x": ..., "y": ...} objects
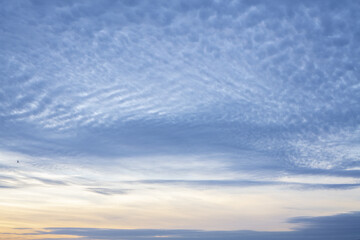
[{"x": 342, "y": 226}]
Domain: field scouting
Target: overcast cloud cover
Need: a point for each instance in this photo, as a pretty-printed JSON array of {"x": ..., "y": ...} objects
[{"x": 131, "y": 103}]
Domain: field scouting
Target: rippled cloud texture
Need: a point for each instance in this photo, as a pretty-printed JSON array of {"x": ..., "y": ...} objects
[{"x": 192, "y": 119}]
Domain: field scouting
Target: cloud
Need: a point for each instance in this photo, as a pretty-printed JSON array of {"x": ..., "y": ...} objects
[
  {"x": 263, "y": 76},
  {"x": 107, "y": 191},
  {"x": 250, "y": 183},
  {"x": 50, "y": 181},
  {"x": 123, "y": 92},
  {"x": 336, "y": 227},
  {"x": 6, "y": 186},
  {"x": 190, "y": 94},
  {"x": 345, "y": 225}
]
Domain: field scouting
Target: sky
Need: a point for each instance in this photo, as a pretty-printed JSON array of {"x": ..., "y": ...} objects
[{"x": 179, "y": 119}]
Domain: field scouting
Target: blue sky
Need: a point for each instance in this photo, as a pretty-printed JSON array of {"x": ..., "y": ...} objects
[{"x": 199, "y": 115}]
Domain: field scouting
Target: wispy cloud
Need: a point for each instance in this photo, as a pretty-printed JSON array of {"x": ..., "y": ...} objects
[{"x": 107, "y": 191}]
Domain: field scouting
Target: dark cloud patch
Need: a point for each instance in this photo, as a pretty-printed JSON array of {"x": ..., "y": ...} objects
[{"x": 342, "y": 225}]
